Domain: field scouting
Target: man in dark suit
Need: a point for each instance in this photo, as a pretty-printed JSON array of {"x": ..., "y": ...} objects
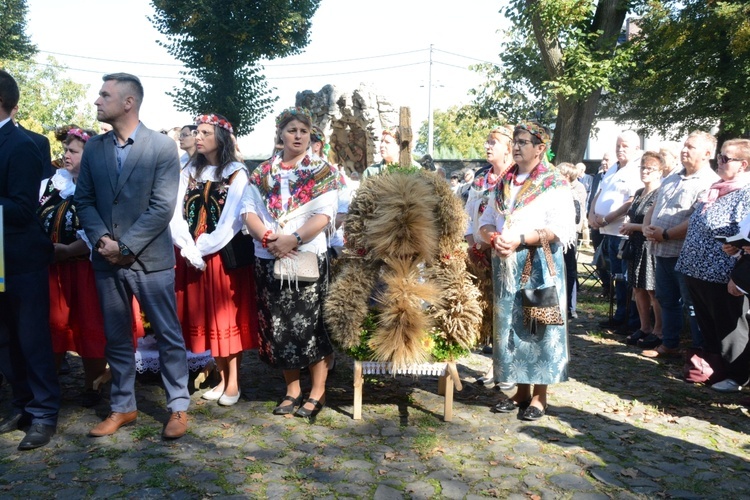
[
  {"x": 42, "y": 143},
  {"x": 126, "y": 194},
  {"x": 26, "y": 358}
]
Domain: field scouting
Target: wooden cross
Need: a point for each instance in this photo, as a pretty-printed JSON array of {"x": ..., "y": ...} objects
[{"x": 404, "y": 128}]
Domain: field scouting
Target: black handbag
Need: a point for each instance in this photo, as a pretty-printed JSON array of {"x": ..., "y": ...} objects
[
  {"x": 239, "y": 252},
  {"x": 625, "y": 250},
  {"x": 540, "y": 305}
]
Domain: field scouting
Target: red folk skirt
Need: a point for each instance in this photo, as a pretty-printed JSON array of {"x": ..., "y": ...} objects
[
  {"x": 217, "y": 307},
  {"x": 75, "y": 316}
]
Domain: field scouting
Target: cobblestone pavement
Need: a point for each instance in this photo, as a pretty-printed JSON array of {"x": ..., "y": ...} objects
[{"x": 622, "y": 427}]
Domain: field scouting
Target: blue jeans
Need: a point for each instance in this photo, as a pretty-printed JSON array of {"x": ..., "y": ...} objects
[
  {"x": 673, "y": 297},
  {"x": 617, "y": 266}
]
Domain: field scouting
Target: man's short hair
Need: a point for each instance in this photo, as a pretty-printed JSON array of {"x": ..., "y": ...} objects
[
  {"x": 631, "y": 137},
  {"x": 708, "y": 139},
  {"x": 8, "y": 91},
  {"x": 132, "y": 82}
]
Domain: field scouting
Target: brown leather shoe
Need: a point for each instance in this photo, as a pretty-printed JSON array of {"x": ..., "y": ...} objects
[
  {"x": 113, "y": 422},
  {"x": 177, "y": 425},
  {"x": 663, "y": 352}
]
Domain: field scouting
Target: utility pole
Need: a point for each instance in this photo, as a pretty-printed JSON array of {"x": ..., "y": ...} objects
[{"x": 430, "y": 125}]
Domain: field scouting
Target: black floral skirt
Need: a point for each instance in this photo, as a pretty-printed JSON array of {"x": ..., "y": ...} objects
[{"x": 292, "y": 330}]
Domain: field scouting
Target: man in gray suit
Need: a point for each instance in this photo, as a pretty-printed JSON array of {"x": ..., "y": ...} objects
[{"x": 126, "y": 195}]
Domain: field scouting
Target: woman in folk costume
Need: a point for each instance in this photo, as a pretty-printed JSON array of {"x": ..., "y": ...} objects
[
  {"x": 532, "y": 205},
  {"x": 76, "y": 320},
  {"x": 216, "y": 305},
  {"x": 291, "y": 200},
  {"x": 497, "y": 147}
]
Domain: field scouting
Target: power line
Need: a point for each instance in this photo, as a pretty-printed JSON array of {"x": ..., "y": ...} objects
[
  {"x": 346, "y": 73},
  {"x": 268, "y": 65},
  {"x": 452, "y": 65},
  {"x": 465, "y": 57}
]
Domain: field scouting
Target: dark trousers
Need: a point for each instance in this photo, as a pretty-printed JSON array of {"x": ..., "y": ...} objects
[
  {"x": 601, "y": 263},
  {"x": 26, "y": 358},
  {"x": 723, "y": 322},
  {"x": 571, "y": 274},
  {"x": 617, "y": 267}
]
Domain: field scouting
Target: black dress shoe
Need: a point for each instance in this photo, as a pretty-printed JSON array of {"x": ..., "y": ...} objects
[
  {"x": 487, "y": 349},
  {"x": 509, "y": 406},
  {"x": 650, "y": 341},
  {"x": 303, "y": 412},
  {"x": 533, "y": 413},
  {"x": 64, "y": 366},
  {"x": 611, "y": 324},
  {"x": 15, "y": 422},
  {"x": 634, "y": 337},
  {"x": 37, "y": 436},
  {"x": 283, "y": 409}
]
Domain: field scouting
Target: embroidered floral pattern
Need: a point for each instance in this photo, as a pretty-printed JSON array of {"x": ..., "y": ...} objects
[
  {"x": 311, "y": 178},
  {"x": 540, "y": 180}
]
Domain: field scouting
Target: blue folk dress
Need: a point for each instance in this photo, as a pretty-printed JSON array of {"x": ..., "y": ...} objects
[{"x": 544, "y": 200}]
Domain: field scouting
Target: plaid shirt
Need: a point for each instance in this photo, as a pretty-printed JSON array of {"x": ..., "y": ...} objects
[{"x": 675, "y": 203}]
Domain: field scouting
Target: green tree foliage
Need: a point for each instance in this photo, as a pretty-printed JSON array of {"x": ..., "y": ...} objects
[
  {"x": 560, "y": 56},
  {"x": 221, "y": 43},
  {"x": 14, "y": 43},
  {"x": 459, "y": 133},
  {"x": 693, "y": 70},
  {"x": 48, "y": 100}
]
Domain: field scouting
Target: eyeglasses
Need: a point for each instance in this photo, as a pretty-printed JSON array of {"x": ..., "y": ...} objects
[
  {"x": 722, "y": 158},
  {"x": 490, "y": 144},
  {"x": 202, "y": 133},
  {"x": 185, "y": 136},
  {"x": 521, "y": 142},
  {"x": 648, "y": 169}
]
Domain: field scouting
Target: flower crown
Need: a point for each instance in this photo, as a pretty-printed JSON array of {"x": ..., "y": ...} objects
[
  {"x": 502, "y": 130},
  {"x": 215, "y": 121},
  {"x": 79, "y": 134},
  {"x": 292, "y": 112},
  {"x": 534, "y": 129}
]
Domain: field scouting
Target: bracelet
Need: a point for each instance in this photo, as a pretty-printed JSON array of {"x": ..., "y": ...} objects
[
  {"x": 665, "y": 235},
  {"x": 604, "y": 219},
  {"x": 478, "y": 253},
  {"x": 264, "y": 240},
  {"x": 523, "y": 240},
  {"x": 492, "y": 238},
  {"x": 299, "y": 238}
]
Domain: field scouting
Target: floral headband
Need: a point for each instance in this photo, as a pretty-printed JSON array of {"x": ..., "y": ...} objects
[
  {"x": 79, "y": 134},
  {"x": 215, "y": 121},
  {"x": 503, "y": 130},
  {"x": 534, "y": 129},
  {"x": 293, "y": 112}
]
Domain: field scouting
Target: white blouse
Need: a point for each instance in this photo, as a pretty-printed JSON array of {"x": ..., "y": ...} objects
[
  {"x": 253, "y": 202},
  {"x": 230, "y": 222},
  {"x": 553, "y": 209}
]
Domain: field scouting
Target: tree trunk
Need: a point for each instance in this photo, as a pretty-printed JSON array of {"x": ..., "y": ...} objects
[{"x": 572, "y": 127}]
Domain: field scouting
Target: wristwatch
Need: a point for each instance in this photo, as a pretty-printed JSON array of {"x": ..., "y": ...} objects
[
  {"x": 123, "y": 249},
  {"x": 523, "y": 239},
  {"x": 665, "y": 235}
]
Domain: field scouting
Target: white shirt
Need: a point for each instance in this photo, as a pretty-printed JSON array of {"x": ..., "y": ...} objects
[{"x": 617, "y": 186}]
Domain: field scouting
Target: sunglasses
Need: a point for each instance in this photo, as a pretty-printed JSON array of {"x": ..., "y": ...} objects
[{"x": 722, "y": 158}]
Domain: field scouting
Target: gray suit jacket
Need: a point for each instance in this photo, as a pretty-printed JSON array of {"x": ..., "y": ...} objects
[{"x": 135, "y": 207}]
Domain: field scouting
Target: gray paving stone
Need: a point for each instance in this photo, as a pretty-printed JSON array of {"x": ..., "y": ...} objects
[
  {"x": 571, "y": 482},
  {"x": 420, "y": 490},
  {"x": 384, "y": 492},
  {"x": 453, "y": 489},
  {"x": 104, "y": 490},
  {"x": 357, "y": 464}
]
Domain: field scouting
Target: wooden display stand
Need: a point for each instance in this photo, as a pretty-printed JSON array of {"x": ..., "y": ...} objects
[{"x": 446, "y": 372}]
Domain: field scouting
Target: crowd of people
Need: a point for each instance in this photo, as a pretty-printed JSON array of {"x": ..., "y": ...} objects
[{"x": 214, "y": 257}]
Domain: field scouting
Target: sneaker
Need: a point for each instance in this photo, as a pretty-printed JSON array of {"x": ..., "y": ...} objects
[{"x": 727, "y": 385}]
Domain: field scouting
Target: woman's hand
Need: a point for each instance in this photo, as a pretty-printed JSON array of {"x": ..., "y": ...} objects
[
  {"x": 506, "y": 244},
  {"x": 61, "y": 252},
  {"x": 733, "y": 290},
  {"x": 627, "y": 229},
  {"x": 282, "y": 245},
  {"x": 730, "y": 249}
]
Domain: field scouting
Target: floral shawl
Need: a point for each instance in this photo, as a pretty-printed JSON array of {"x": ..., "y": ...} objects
[
  {"x": 539, "y": 180},
  {"x": 310, "y": 178}
]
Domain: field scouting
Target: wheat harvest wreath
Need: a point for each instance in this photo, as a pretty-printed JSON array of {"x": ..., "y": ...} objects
[{"x": 402, "y": 295}]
